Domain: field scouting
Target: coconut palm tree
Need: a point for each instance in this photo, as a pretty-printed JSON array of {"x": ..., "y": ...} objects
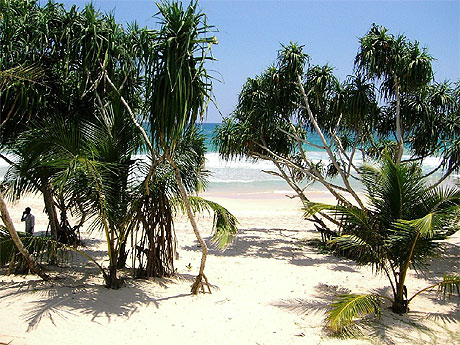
[
  {"x": 400, "y": 229},
  {"x": 92, "y": 160}
]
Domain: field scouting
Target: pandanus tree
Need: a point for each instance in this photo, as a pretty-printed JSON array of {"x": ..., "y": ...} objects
[
  {"x": 299, "y": 99},
  {"x": 154, "y": 212},
  {"x": 401, "y": 67},
  {"x": 182, "y": 90},
  {"x": 402, "y": 228},
  {"x": 279, "y": 109},
  {"x": 177, "y": 92}
]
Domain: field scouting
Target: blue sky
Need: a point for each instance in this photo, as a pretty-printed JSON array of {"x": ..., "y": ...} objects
[{"x": 251, "y": 32}]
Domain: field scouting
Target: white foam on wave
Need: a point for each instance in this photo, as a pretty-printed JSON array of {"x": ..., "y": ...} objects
[
  {"x": 213, "y": 161},
  {"x": 431, "y": 162},
  {"x": 244, "y": 171}
]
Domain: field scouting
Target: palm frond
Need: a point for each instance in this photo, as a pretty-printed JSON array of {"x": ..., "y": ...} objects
[
  {"x": 225, "y": 224},
  {"x": 348, "y": 308},
  {"x": 312, "y": 208},
  {"x": 450, "y": 285},
  {"x": 413, "y": 242},
  {"x": 427, "y": 226},
  {"x": 354, "y": 215},
  {"x": 441, "y": 198},
  {"x": 22, "y": 74},
  {"x": 359, "y": 250},
  {"x": 43, "y": 248}
]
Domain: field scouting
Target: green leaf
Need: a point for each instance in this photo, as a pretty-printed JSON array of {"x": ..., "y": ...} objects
[
  {"x": 225, "y": 225},
  {"x": 450, "y": 285},
  {"x": 348, "y": 308}
]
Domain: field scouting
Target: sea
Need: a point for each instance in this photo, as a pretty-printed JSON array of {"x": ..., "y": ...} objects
[{"x": 248, "y": 176}]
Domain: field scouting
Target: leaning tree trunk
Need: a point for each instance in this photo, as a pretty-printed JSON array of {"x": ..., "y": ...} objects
[
  {"x": 198, "y": 284},
  {"x": 34, "y": 267}
]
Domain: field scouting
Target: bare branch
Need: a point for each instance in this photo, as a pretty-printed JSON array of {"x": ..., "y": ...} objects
[{"x": 328, "y": 150}]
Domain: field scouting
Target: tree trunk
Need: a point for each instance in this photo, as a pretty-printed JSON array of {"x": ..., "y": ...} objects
[
  {"x": 400, "y": 303},
  {"x": 50, "y": 209},
  {"x": 34, "y": 267},
  {"x": 399, "y": 130},
  {"x": 198, "y": 284},
  {"x": 111, "y": 280},
  {"x": 123, "y": 255},
  {"x": 327, "y": 148}
]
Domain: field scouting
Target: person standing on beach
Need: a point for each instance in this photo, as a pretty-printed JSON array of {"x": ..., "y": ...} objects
[{"x": 29, "y": 219}]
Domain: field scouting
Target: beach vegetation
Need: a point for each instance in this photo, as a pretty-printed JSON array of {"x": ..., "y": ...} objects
[
  {"x": 110, "y": 93},
  {"x": 403, "y": 227},
  {"x": 390, "y": 103},
  {"x": 42, "y": 249},
  {"x": 10, "y": 78},
  {"x": 182, "y": 90},
  {"x": 391, "y": 115}
]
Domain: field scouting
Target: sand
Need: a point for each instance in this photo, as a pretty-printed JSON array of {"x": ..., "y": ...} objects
[{"x": 269, "y": 287}]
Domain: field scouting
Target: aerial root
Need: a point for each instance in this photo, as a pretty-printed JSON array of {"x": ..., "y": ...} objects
[{"x": 198, "y": 284}]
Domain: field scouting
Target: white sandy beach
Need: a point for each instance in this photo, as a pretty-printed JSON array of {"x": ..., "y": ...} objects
[{"x": 268, "y": 288}]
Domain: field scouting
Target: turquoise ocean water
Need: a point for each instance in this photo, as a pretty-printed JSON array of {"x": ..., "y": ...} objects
[
  {"x": 242, "y": 176},
  {"x": 247, "y": 176}
]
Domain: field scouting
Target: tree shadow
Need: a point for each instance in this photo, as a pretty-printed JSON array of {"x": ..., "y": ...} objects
[
  {"x": 391, "y": 328},
  {"x": 55, "y": 300},
  {"x": 449, "y": 259},
  {"x": 323, "y": 296},
  {"x": 410, "y": 328},
  {"x": 266, "y": 243},
  {"x": 95, "y": 300},
  {"x": 343, "y": 268}
]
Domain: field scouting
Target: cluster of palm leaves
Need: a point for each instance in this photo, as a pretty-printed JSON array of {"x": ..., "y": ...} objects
[
  {"x": 390, "y": 95},
  {"x": 102, "y": 95},
  {"x": 402, "y": 228}
]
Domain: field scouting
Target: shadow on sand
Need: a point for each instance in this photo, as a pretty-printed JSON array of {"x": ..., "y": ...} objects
[
  {"x": 268, "y": 244},
  {"x": 78, "y": 287}
]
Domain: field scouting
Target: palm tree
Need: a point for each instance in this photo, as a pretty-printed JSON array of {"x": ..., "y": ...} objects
[
  {"x": 96, "y": 165},
  {"x": 399, "y": 64},
  {"x": 154, "y": 212},
  {"x": 181, "y": 92},
  {"x": 400, "y": 229},
  {"x": 9, "y": 77}
]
